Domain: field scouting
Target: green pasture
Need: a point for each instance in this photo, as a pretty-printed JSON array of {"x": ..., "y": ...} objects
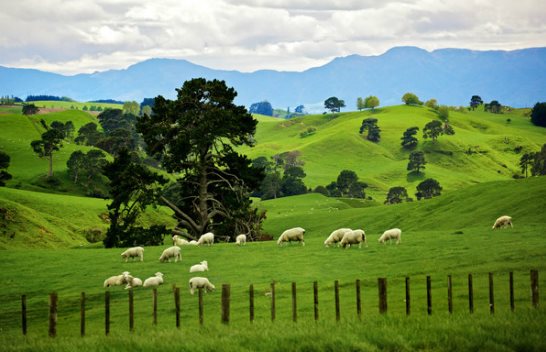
[{"x": 76, "y": 105}]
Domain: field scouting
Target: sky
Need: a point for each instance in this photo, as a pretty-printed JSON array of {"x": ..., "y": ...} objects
[{"x": 84, "y": 36}]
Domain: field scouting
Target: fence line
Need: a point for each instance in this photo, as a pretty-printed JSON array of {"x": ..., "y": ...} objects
[{"x": 226, "y": 299}]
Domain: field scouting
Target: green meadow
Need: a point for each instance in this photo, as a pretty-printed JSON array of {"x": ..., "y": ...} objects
[
  {"x": 42, "y": 233},
  {"x": 76, "y": 105}
]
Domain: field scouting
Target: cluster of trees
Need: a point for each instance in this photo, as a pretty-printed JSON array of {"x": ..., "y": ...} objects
[
  {"x": 334, "y": 104},
  {"x": 91, "y": 108},
  {"x": 283, "y": 175},
  {"x": 4, "y": 164},
  {"x": 370, "y": 102},
  {"x": 535, "y": 162},
  {"x": 9, "y": 100},
  {"x": 30, "y": 109},
  {"x": 47, "y": 98},
  {"x": 538, "y": 114},
  {"x": 346, "y": 185},
  {"x": 86, "y": 169},
  {"x": 426, "y": 189},
  {"x": 374, "y": 132}
]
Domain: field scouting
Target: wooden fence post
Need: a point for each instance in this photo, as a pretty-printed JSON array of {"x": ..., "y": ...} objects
[
  {"x": 491, "y": 295},
  {"x": 336, "y": 295},
  {"x": 226, "y": 293},
  {"x": 511, "y": 284},
  {"x": 429, "y": 296},
  {"x": 358, "y": 300},
  {"x": 24, "y": 313},
  {"x": 382, "y": 286},
  {"x": 315, "y": 300},
  {"x": 53, "y": 314},
  {"x": 82, "y": 314},
  {"x": 534, "y": 288},
  {"x": 201, "y": 308},
  {"x": 131, "y": 311},
  {"x": 449, "y": 295},
  {"x": 408, "y": 297},
  {"x": 273, "y": 301},
  {"x": 470, "y": 294},
  {"x": 294, "y": 304},
  {"x": 154, "y": 306},
  {"x": 107, "y": 313},
  {"x": 251, "y": 303},
  {"x": 177, "y": 306}
]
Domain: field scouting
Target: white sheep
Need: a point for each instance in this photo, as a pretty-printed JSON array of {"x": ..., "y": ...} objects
[
  {"x": 203, "y": 266},
  {"x": 154, "y": 281},
  {"x": 179, "y": 241},
  {"x": 134, "y": 252},
  {"x": 502, "y": 222},
  {"x": 241, "y": 239},
  {"x": 132, "y": 281},
  {"x": 392, "y": 234},
  {"x": 171, "y": 252},
  {"x": 207, "y": 238},
  {"x": 116, "y": 280},
  {"x": 200, "y": 282},
  {"x": 293, "y": 234},
  {"x": 193, "y": 243},
  {"x": 335, "y": 236},
  {"x": 353, "y": 237}
]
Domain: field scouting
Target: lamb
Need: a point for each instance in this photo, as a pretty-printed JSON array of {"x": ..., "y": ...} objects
[
  {"x": 335, "y": 236},
  {"x": 241, "y": 239},
  {"x": 116, "y": 280},
  {"x": 132, "y": 253},
  {"x": 154, "y": 281},
  {"x": 353, "y": 237},
  {"x": 207, "y": 238},
  {"x": 293, "y": 234},
  {"x": 502, "y": 222},
  {"x": 203, "y": 266},
  {"x": 171, "y": 252},
  {"x": 392, "y": 234},
  {"x": 179, "y": 241},
  {"x": 200, "y": 282},
  {"x": 132, "y": 281}
]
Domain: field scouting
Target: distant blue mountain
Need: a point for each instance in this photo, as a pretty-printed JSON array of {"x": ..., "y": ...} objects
[{"x": 516, "y": 78}]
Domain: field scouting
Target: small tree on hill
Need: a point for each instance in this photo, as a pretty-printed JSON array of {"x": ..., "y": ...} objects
[
  {"x": 432, "y": 104},
  {"x": 443, "y": 113},
  {"x": 409, "y": 141},
  {"x": 494, "y": 107},
  {"x": 397, "y": 195},
  {"x": 526, "y": 161},
  {"x": 411, "y": 99},
  {"x": 88, "y": 134},
  {"x": 475, "y": 101},
  {"x": 433, "y": 130},
  {"x": 30, "y": 109},
  {"x": 50, "y": 142},
  {"x": 538, "y": 114},
  {"x": 428, "y": 188},
  {"x": 370, "y": 125},
  {"x": 416, "y": 161},
  {"x": 360, "y": 103},
  {"x": 4, "y": 164},
  {"x": 371, "y": 102},
  {"x": 334, "y": 104}
]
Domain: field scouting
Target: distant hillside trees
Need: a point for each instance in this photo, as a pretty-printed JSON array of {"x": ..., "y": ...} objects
[
  {"x": 346, "y": 185},
  {"x": 494, "y": 107},
  {"x": 443, "y": 112},
  {"x": 88, "y": 134},
  {"x": 409, "y": 141},
  {"x": 428, "y": 188},
  {"x": 538, "y": 114},
  {"x": 146, "y": 110},
  {"x": 359, "y": 103},
  {"x": 334, "y": 104},
  {"x": 119, "y": 131},
  {"x": 432, "y": 104},
  {"x": 50, "y": 142},
  {"x": 30, "y": 109},
  {"x": 371, "y": 102},
  {"x": 9, "y": 100},
  {"x": 85, "y": 169},
  {"x": 539, "y": 162},
  {"x": 416, "y": 161},
  {"x": 411, "y": 99},
  {"x": 67, "y": 128},
  {"x": 147, "y": 102},
  {"x": 47, "y": 98},
  {"x": 475, "y": 101},
  {"x": 436, "y": 128},
  {"x": 526, "y": 161},
  {"x": 397, "y": 195},
  {"x": 4, "y": 164},
  {"x": 107, "y": 101},
  {"x": 131, "y": 107},
  {"x": 283, "y": 175},
  {"x": 262, "y": 108},
  {"x": 370, "y": 125}
]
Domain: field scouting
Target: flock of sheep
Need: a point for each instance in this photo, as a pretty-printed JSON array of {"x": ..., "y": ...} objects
[{"x": 343, "y": 237}]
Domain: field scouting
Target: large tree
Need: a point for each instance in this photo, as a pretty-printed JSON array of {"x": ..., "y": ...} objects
[
  {"x": 538, "y": 114},
  {"x": 475, "y": 101},
  {"x": 30, "y": 109},
  {"x": 334, "y": 104},
  {"x": 433, "y": 130},
  {"x": 416, "y": 161},
  {"x": 50, "y": 142},
  {"x": 428, "y": 188},
  {"x": 370, "y": 125},
  {"x": 195, "y": 136},
  {"x": 409, "y": 141},
  {"x": 411, "y": 99},
  {"x": 4, "y": 164},
  {"x": 397, "y": 195}
]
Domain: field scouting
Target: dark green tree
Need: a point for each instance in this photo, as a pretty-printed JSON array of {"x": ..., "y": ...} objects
[
  {"x": 416, "y": 161},
  {"x": 348, "y": 185},
  {"x": 538, "y": 114},
  {"x": 30, "y": 109},
  {"x": 433, "y": 130},
  {"x": 397, "y": 195},
  {"x": 270, "y": 187},
  {"x": 333, "y": 190},
  {"x": 292, "y": 181},
  {"x": 4, "y": 164},
  {"x": 334, "y": 104},
  {"x": 88, "y": 134},
  {"x": 195, "y": 135},
  {"x": 494, "y": 107},
  {"x": 539, "y": 164},
  {"x": 374, "y": 132},
  {"x": 409, "y": 141},
  {"x": 75, "y": 165},
  {"x": 526, "y": 161},
  {"x": 85, "y": 169},
  {"x": 475, "y": 101},
  {"x": 50, "y": 142},
  {"x": 132, "y": 188},
  {"x": 428, "y": 188}
]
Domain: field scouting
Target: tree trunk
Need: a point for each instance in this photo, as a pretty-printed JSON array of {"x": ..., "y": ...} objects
[
  {"x": 50, "y": 171},
  {"x": 203, "y": 192}
]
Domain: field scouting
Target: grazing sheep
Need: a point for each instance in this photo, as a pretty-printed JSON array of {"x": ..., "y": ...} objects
[
  {"x": 133, "y": 252},
  {"x": 200, "y": 282},
  {"x": 132, "y": 281},
  {"x": 392, "y": 234},
  {"x": 116, "y": 280},
  {"x": 502, "y": 222},
  {"x": 335, "y": 236},
  {"x": 203, "y": 266},
  {"x": 241, "y": 239},
  {"x": 179, "y": 241},
  {"x": 293, "y": 234},
  {"x": 171, "y": 252},
  {"x": 353, "y": 237},
  {"x": 154, "y": 281},
  {"x": 193, "y": 243},
  {"x": 207, "y": 238}
]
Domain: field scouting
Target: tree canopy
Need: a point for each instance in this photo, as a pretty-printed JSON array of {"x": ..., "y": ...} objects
[
  {"x": 4, "y": 164},
  {"x": 371, "y": 102},
  {"x": 538, "y": 114},
  {"x": 334, "y": 104},
  {"x": 475, "y": 101},
  {"x": 428, "y": 188},
  {"x": 416, "y": 161},
  {"x": 409, "y": 141},
  {"x": 50, "y": 142},
  {"x": 370, "y": 125},
  {"x": 411, "y": 99}
]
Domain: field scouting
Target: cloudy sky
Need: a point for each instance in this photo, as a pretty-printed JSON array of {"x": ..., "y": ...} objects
[{"x": 72, "y": 36}]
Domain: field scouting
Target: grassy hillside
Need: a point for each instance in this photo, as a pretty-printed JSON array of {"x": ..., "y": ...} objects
[
  {"x": 73, "y": 105},
  {"x": 337, "y": 145}
]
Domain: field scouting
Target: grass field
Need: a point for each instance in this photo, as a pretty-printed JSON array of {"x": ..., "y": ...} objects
[{"x": 76, "y": 105}]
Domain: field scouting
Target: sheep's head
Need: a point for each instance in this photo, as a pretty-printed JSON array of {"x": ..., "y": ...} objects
[{"x": 158, "y": 274}]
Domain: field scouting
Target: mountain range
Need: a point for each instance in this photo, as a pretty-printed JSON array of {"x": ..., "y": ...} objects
[{"x": 515, "y": 78}]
